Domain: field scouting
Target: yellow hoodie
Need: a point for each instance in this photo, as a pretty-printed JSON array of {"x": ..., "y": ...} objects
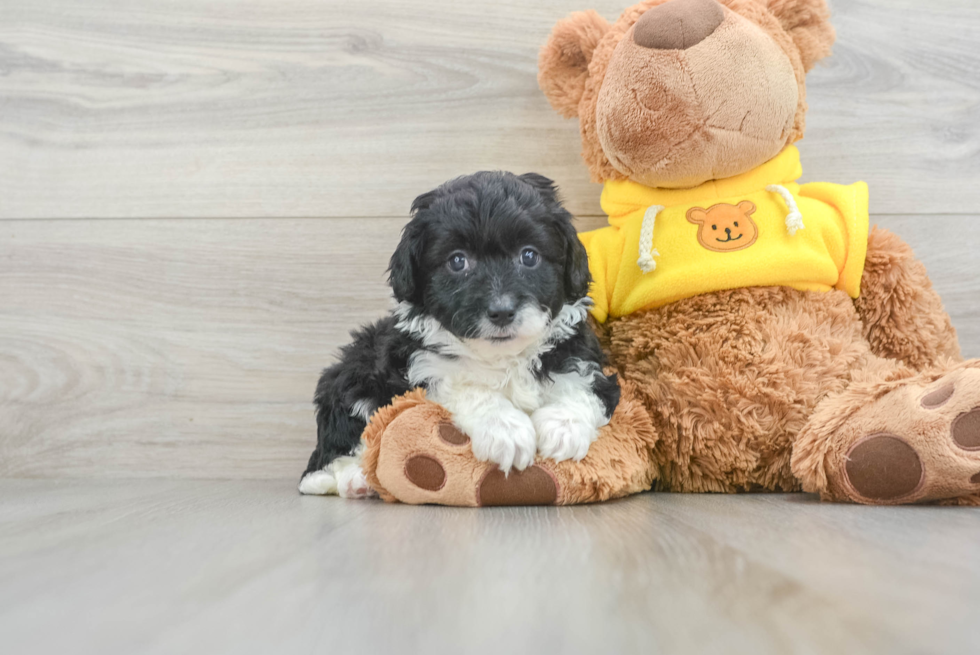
[{"x": 759, "y": 228}]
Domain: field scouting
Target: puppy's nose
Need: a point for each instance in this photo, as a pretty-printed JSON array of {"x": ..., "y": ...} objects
[
  {"x": 678, "y": 24},
  {"x": 502, "y": 311}
]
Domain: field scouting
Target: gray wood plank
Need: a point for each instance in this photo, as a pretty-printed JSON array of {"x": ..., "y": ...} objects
[
  {"x": 172, "y": 347},
  {"x": 251, "y": 567},
  {"x": 269, "y": 108},
  {"x": 190, "y": 348}
]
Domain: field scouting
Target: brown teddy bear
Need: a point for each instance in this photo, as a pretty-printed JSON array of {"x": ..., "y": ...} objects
[{"x": 763, "y": 340}]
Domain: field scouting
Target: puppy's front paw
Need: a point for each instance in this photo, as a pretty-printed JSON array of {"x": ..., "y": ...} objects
[
  {"x": 506, "y": 438},
  {"x": 561, "y": 434}
]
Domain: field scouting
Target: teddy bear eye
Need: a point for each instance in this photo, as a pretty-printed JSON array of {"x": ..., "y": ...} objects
[
  {"x": 736, "y": 223},
  {"x": 714, "y": 227}
]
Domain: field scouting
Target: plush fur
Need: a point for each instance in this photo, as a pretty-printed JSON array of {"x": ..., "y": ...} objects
[
  {"x": 901, "y": 314},
  {"x": 729, "y": 391},
  {"x": 753, "y": 389},
  {"x": 491, "y": 281},
  {"x": 574, "y": 64},
  {"x": 564, "y": 62}
]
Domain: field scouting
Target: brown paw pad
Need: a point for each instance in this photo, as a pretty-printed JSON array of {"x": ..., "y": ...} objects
[
  {"x": 451, "y": 435},
  {"x": 883, "y": 467},
  {"x": 966, "y": 430},
  {"x": 939, "y": 397},
  {"x": 425, "y": 472},
  {"x": 532, "y": 486}
]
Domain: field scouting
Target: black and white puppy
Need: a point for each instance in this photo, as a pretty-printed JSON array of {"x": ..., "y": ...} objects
[{"x": 491, "y": 282}]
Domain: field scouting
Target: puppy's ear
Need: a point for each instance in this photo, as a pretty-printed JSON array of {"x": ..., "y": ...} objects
[
  {"x": 404, "y": 269},
  {"x": 563, "y": 65},
  {"x": 425, "y": 201},
  {"x": 544, "y": 186},
  {"x": 577, "y": 276}
]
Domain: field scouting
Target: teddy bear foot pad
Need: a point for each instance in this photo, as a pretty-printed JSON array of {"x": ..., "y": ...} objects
[
  {"x": 443, "y": 471},
  {"x": 920, "y": 442},
  {"x": 532, "y": 486}
]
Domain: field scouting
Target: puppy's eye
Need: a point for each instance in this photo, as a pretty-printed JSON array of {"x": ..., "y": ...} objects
[
  {"x": 530, "y": 257},
  {"x": 457, "y": 262}
]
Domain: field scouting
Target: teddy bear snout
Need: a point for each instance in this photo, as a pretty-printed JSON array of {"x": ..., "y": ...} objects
[{"x": 678, "y": 24}]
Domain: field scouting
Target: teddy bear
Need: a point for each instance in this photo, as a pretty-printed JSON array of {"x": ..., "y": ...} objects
[{"x": 765, "y": 339}]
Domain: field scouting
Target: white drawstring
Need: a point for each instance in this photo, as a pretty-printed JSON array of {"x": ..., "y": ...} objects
[
  {"x": 794, "y": 220},
  {"x": 647, "y": 251}
]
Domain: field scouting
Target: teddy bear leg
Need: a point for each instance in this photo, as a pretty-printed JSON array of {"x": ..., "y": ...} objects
[
  {"x": 972, "y": 500},
  {"x": 902, "y": 314},
  {"x": 414, "y": 454},
  {"x": 908, "y": 437}
]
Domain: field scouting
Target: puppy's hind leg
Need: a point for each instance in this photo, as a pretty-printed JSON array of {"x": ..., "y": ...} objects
[
  {"x": 342, "y": 477},
  {"x": 335, "y": 466}
]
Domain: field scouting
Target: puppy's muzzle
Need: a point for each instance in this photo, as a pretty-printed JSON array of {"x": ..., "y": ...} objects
[{"x": 502, "y": 311}]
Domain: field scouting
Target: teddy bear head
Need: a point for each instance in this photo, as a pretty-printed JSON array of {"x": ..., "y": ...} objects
[{"x": 679, "y": 92}]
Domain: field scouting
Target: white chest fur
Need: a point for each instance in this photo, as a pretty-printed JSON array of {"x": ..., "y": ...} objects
[
  {"x": 496, "y": 396},
  {"x": 512, "y": 377},
  {"x": 451, "y": 366}
]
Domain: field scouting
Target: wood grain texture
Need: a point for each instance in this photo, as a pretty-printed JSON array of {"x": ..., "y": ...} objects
[
  {"x": 176, "y": 347},
  {"x": 270, "y": 108},
  {"x": 143, "y": 567},
  {"x": 190, "y": 348}
]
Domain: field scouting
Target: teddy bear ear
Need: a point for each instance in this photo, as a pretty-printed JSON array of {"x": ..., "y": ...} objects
[
  {"x": 808, "y": 24},
  {"x": 697, "y": 215},
  {"x": 563, "y": 64},
  {"x": 747, "y": 207}
]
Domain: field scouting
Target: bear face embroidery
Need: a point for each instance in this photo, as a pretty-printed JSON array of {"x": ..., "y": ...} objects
[{"x": 724, "y": 227}]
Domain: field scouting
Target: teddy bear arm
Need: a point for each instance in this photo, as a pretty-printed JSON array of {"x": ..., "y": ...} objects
[
  {"x": 414, "y": 454},
  {"x": 903, "y": 315}
]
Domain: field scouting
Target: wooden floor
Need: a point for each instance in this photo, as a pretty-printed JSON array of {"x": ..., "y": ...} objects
[
  {"x": 198, "y": 199},
  {"x": 251, "y": 567}
]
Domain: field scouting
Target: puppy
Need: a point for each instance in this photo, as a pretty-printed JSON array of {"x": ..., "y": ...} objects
[{"x": 491, "y": 283}]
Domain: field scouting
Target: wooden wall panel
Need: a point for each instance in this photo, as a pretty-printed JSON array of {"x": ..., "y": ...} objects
[
  {"x": 273, "y": 108},
  {"x": 182, "y": 347}
]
